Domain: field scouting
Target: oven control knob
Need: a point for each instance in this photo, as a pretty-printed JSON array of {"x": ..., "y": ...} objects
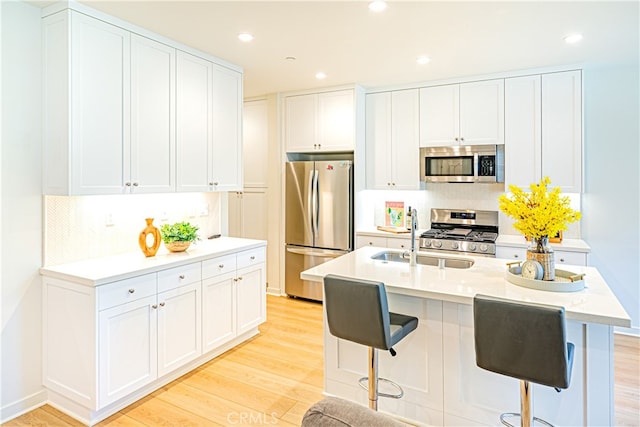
[
  {"x": 437, "y": 244},
  {"x": 427, "y": 243},
  {"x": 454, "y": 245},
  {"x": 484, "y": 248},
  {"x": 473, "y": 247}
]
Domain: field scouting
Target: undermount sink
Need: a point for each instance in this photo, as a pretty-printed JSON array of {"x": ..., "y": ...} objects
[{"x": 424, "y": 259}]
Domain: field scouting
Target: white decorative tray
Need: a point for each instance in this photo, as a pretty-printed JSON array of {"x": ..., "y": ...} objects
[{"x": 565, "y": 281}]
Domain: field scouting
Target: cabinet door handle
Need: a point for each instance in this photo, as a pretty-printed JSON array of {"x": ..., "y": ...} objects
[
  {"x": 181, "y": 276},
  {"x": 561, "y": 259},
  {"x": 154, "y": 306},
  {"x": 131, "y": 290},
  {"x": 239, "y": 278},
  {"x": 161, "y": 304},
  {"x": 252, "y": 257},
  {"x": 515, "y": 256},
  {"x": 461, "y": 139},
  {"x": 220, "y": 265},
  {"x": 135, "y": 184},
  {"x": 128, "y": 184},
  {"x": 456, "y": 138}
]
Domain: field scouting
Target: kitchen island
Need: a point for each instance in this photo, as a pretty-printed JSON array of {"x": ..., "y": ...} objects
[{"x": 436, "y": 363}]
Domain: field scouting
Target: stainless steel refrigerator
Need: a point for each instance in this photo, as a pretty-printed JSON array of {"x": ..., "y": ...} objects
[{"x": 318, "y": 218}]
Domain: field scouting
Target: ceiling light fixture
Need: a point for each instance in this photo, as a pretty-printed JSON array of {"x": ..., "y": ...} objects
[
  {"x": 245, "y": 37},
  {"x": 573, "y": 38},
  {"x": 377, "y": 5},
  {"x": 320, "y": 75},
  {"x": 423, "y": 59}
]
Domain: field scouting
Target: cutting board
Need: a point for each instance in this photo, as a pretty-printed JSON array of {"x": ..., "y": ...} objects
[{"x": 391, "y": 229}]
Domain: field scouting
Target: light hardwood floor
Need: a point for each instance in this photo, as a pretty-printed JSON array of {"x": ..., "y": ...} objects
[{"x": 273, "y": 378}]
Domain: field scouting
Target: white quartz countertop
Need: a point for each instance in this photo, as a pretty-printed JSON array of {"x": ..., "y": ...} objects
[
  {"x": 594, "y": 304},
  {"x": 98, "y": 271}
]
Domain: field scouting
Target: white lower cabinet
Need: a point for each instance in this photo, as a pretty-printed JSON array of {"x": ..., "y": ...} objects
[
  {"x": 106, "y": 346},
  {"x": 561, "y": 257},
  {"x": 403, "y": 243}
]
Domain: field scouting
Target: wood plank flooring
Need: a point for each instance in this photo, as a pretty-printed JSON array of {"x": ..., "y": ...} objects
[{"x": 273, "y": 378}]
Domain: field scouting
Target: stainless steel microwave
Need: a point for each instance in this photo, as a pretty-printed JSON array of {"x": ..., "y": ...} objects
[{"x": 470, "y": 163}]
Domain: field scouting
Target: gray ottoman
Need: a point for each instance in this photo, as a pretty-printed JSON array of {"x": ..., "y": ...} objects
[{"x": 334, "y": 412}]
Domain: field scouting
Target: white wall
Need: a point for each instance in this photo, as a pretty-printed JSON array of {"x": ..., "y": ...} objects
[
  {"x": 21, "y": 210},
  {"x": 611, "y": 203}
]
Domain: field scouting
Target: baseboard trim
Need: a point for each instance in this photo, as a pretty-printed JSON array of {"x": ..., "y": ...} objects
[{"x": 22, "y": 406}]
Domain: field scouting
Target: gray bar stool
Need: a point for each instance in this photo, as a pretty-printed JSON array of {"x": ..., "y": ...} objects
[
  {"x": 525, "y": 341},
  {"x": 357, "y": 311}
]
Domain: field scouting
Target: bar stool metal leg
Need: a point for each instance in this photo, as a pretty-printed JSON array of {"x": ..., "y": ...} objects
[
  {"x": 373, "y": 378},
  {"x": 526, "y": 415}
]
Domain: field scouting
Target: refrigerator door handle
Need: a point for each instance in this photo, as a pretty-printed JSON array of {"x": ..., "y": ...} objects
[
  {"x": 310, "y": 205},
  {"x": 316, "y": 198}
]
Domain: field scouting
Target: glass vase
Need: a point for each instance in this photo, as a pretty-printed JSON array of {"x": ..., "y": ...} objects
[{"x": 543, "y": 253}]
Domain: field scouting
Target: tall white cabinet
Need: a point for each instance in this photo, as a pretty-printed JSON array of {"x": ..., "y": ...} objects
[
  {"x": 543, "y": 125},
  {"x": 392, "y": 140},
  {"x": 116, "y": 123}
]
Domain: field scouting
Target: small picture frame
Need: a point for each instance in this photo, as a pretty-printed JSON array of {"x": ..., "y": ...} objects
[{"x": 555, "y": 239}]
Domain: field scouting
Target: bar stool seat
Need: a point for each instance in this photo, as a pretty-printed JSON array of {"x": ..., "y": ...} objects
[
  {"x": 526, "y": 341},
  {"x": 357, "y": 311}
]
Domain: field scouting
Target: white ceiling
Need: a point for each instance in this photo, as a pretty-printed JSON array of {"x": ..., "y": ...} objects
[{"x": 353, "y": 45}]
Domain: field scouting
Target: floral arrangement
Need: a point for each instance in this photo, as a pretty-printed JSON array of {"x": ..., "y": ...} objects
[{"x": 540, "y": 213}]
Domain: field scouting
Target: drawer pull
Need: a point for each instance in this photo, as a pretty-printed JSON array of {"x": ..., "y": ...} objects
[
  {"x": 516, "y": 256},
  {"x": 561, "y": 259},
  {"x": 161, "y": 304},
  {"x": 131, "y": 291},
  {"x": 220, "y": 265},
  {"x": 154, "y": 306},
  {"x": 181, "y": 276},
  {"x": 252, "y": 257}
]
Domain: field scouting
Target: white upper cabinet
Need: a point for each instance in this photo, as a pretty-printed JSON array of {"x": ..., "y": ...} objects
[
  {"x": 153, "y": 143},
  {"x": 194, "y": 122},
  {"x": 392, "y": 145},
  {"x": 523, "y": 139},
  {"x": 562, "y": 130},
  {"x": 86, "y": 98},
  {"x": 110, "y": 106},
  {"x": 226, "y": 160},
  {"x": 320, "y": 122},
  {"x": 462, "y": 114},
  {"x": 209, "y": 117},
  {"x": 543, "y": 125}
]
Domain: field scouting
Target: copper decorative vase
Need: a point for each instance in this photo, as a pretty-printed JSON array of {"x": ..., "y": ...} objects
[
  {"x": 543, "y": 253},
  {"x": 150, "y": 229}
]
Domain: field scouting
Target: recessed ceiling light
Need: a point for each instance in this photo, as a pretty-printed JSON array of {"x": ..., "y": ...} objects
[
  {"x": 377, "y": 5},
  {"x": 423, "y": 60},
  {"x": 245, "y": 37},
  {"x": 573, "y": 38},
  {"x": 320, "y": 75}
]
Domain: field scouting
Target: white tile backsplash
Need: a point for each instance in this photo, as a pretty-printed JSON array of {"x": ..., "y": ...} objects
[
  {"x": 443, "y": 196},
  {"x": 78, "y": 228}
]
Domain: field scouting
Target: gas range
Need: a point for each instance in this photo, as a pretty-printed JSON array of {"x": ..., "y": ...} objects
[{"x": 462, "y": 231}]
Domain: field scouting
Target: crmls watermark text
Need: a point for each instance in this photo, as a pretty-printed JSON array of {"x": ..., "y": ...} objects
[{"x": 251, "y": 418}]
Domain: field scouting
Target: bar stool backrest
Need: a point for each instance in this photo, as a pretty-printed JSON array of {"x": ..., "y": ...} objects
[
  {"x": 522, "y": 340},
  {"x": 357, "y": 311}
]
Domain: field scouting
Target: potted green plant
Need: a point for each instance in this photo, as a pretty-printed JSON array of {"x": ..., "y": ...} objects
[{"x": 177, "y": 237}]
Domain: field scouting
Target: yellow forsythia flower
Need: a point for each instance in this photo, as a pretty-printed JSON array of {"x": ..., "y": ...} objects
[{"x": 540, "y": 212}]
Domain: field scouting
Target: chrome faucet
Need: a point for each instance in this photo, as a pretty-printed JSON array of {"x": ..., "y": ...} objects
[{"x": 413, "y": 255}]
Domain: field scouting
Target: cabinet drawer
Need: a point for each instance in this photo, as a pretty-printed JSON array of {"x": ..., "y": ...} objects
[
  {"x": 573, "y": 258},
  {"x": 362, "y": 241},
  {"x": 179, "y": 276},
  {"x": 519, "y": 254},
  {"x": 251, "y": 257},
  {"x": 123, "y": 291},
  {"x": 219, "y": 265},
  {"x": 404, "y": 244}
]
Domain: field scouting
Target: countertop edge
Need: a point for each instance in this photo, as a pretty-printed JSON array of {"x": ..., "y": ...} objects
[{"x": 74, "y": 271}]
